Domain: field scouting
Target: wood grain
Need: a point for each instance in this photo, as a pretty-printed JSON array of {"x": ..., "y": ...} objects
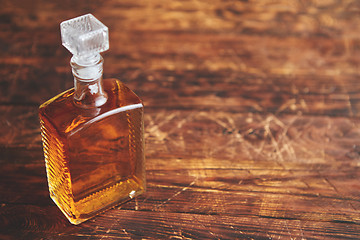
[{"x": 251, "y": 114}]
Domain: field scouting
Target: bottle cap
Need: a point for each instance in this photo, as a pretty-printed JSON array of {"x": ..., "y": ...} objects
[{"x": 85, "y": 37}]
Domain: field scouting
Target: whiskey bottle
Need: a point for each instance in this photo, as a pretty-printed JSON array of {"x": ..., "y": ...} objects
[{"x": 92, "y": 134}]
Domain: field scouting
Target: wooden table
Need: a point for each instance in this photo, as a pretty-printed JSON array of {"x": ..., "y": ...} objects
[{"x": 252, "y": 117}]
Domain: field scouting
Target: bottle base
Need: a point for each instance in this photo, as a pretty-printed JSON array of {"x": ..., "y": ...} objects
[{"x": 100, "y": 201}]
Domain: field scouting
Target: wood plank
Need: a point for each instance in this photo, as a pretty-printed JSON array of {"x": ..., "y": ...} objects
[
  {"x": 260, "y": 189},
  {"x": 45, "y": 223},
  {"x": 261, "y": 17},
  {"x": 224, "y": 135},
  {"x": 316, "y": 194},
  {"x": 203, "y": 91}
]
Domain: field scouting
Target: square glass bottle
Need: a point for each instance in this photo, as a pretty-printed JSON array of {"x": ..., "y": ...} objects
[{"x": 93, "y": 134}]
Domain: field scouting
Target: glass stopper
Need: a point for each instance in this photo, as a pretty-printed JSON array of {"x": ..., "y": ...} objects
[{"x": 84, "y": 36}]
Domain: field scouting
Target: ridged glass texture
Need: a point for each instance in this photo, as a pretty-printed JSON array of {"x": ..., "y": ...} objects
[
  {"x": 84, "y": 35},
  {"x": 94, "y": 157}
]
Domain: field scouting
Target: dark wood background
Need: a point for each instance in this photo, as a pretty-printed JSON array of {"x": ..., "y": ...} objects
[{"x": 252, "y": 117}]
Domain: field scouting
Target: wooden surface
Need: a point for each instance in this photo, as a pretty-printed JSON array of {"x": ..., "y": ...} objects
[{"x": 252, "y": 117}]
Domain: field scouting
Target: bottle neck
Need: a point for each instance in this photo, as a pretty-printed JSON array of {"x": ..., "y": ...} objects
[{"x": 89, "y": 91}]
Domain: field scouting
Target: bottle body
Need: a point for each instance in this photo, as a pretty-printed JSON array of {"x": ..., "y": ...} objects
[{"x": 94, "y": 156}]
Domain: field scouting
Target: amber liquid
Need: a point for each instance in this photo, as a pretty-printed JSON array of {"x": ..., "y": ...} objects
[{"x": 94, "y": 157}]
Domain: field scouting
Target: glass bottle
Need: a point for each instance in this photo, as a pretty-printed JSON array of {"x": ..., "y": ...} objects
[{"x": 93, "y": 133}]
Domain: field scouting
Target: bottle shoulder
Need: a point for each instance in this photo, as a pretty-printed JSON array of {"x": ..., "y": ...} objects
[
  {"x": 65, "y": 116},
  {"x": 119, "y": 95}
]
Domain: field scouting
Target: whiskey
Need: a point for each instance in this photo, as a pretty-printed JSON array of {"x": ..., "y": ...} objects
[
  {"x": 93, "y": 142},
  {"x": 94, "y": 159}
]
